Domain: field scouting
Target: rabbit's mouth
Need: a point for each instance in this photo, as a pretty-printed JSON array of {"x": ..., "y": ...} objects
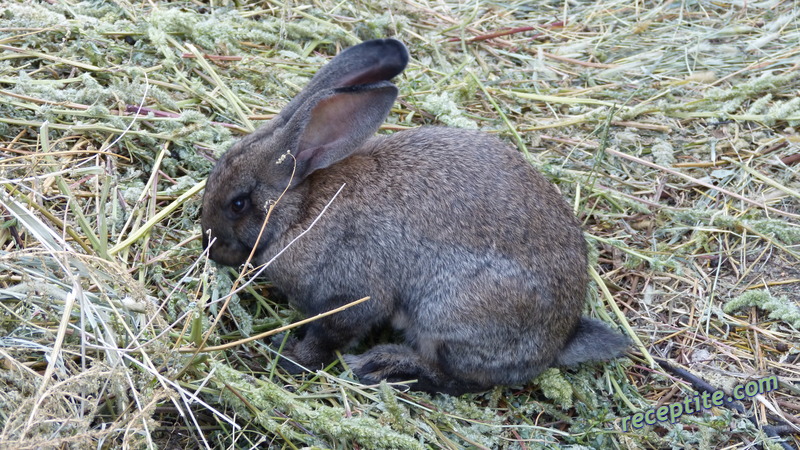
[{"x": 228, "y": 253}]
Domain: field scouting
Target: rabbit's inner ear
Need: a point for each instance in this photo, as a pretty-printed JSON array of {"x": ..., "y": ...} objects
[{"x": 339, "y": 123}]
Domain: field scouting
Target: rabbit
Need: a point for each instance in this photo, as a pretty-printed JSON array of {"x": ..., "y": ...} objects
[{"x": 458, "y": 241}]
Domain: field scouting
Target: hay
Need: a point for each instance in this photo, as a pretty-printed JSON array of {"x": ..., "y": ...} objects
[{"x": 670, "y": 126}]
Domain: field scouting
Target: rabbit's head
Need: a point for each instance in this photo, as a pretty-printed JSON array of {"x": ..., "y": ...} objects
[{"x": 343, "y": 106}]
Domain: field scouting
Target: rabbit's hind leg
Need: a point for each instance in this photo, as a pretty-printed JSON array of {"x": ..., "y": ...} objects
[{"x": 401, "y": 363}]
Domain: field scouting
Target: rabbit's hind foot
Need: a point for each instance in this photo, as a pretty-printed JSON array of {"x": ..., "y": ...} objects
[{"x": 402, "y": 364}]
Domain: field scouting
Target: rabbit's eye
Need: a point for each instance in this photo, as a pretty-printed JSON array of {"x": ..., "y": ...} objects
[{"x": 238, "y": 205}]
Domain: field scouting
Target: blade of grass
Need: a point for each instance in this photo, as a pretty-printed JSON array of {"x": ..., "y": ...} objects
[
  {"x": 559, "y": 99},
  {"x": 506, "y": 120},
  {"x": 74, "y": 205},
  {"x": 620, "y": 316}
]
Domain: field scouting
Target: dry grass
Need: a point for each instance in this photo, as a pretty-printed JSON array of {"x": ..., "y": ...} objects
[{"x": 671, "y": 127}]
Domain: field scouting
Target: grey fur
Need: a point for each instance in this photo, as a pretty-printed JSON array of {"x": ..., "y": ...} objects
[{"x": 458, "y": 240}]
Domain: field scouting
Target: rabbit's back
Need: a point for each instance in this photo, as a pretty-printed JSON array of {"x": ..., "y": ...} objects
[{"x": 443, "y": 188}]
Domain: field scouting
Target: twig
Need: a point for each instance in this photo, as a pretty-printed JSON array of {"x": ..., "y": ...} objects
[
  {"x": 213, "y": 57},
  {"x": 501, "y": 33}
]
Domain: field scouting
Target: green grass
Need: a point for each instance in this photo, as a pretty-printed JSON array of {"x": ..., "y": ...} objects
[{"x": 670, "y": 126}]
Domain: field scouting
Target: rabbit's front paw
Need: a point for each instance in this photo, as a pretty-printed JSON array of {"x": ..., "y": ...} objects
[
  {"x": 304, "y": 355},
  {"x": 287, "y": 358}
]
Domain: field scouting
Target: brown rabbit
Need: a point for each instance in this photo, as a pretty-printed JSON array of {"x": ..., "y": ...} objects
[{"x": 458, "y": 241}]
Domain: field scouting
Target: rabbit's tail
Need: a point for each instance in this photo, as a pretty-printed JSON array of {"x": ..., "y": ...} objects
[{"x": 593, "y": 341}]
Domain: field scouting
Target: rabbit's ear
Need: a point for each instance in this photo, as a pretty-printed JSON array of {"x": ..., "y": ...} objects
[
  {"x": 365, "y": 63},
  {"x": 336, "y": 123},
  {"x": 368, "y": 62}
]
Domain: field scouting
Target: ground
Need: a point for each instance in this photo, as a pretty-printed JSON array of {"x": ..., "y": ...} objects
[{"x": 669, "y": 126}]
